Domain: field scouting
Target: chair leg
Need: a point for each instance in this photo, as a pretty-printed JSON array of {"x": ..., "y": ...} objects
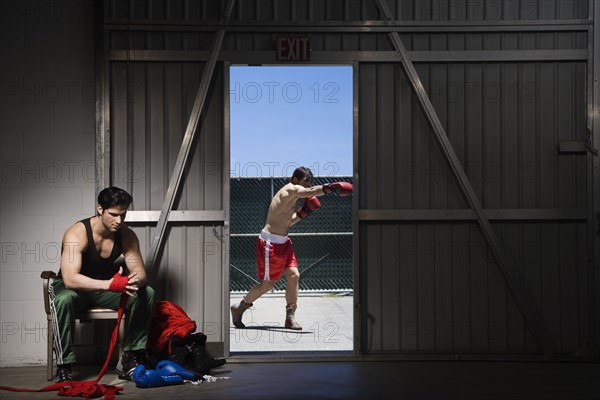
[
  {"x": 121, "y": 338},
  {"x": 50, "y": 347},
  {"x": 50, "y": 356}
]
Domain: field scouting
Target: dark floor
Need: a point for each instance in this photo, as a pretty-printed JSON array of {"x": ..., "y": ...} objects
[{"x": 404, "y": 380}]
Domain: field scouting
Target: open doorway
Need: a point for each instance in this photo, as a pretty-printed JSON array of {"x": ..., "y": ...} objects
[{"x": 283, "y": 117}]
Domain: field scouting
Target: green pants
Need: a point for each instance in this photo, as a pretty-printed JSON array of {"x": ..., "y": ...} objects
[{"x": 67, "y": 302}]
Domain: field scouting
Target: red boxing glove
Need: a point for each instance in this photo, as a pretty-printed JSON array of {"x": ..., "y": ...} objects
[
  {"x": 310, "y": 204},
  {"x": 119, "y": 282},
  {"x": 341, "y": 188}
]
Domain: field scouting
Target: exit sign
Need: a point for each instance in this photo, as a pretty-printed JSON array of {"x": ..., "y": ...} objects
[{"x": 293, "y": 49}]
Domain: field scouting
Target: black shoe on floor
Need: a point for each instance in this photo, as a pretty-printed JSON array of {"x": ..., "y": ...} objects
[
  {"x": 205, "y": 366},
  {"x": 202, "y": 363},
  {"x": 63, "y": 373},
  {"x": 129, "y": 361}
]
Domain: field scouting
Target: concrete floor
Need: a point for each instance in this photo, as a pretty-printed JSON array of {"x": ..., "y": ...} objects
[
  {"x": 326, "y": 319},
  {"x": 262, "y": 366},
  {"x": 406, "y": 380}
]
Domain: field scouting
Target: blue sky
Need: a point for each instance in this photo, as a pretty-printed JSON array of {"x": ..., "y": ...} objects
[{"x": 286, "y": 116}]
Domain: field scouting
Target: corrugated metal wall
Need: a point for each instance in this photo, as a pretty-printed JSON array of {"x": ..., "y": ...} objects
[
  {"x": 507, "y": 79},
  {"x": 445, "y": 293},
  {"x": 151, "y": 104},
  {"x": 148, "y": 132}
]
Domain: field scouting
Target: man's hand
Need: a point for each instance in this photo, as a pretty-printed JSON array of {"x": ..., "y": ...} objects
[{"x": 127, "y": 284}]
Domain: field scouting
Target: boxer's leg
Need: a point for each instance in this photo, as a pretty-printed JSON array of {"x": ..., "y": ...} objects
[
  {"x": 237, "y": 310},
  {"x": 291, "y": 297}
]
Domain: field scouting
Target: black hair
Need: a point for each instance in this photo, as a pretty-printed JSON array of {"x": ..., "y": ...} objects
[
  {"x": 113, "y": 196},
  {"x": 303, "y": 173}
]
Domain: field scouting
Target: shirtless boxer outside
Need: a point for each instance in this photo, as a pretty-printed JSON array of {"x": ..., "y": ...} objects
[{"x": 274, "y": 252}]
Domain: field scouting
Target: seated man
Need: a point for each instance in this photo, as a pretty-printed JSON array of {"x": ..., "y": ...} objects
[{"x": 88, "y": 277}]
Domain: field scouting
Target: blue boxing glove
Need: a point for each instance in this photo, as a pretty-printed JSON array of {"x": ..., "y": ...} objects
[
  {"x": 149, "y": 378},
  {"x": 171, "y": 368}
]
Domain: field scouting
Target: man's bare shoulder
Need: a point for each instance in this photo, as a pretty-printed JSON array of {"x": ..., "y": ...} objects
[
  {"x": 289, "y": 189},
  {"x": 76, "y": 235},
  {"x": 77, "y": 229},
  {"x": 127, "y": 234}
]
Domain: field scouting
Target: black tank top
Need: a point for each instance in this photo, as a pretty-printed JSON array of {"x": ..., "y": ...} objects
[{"x": 92, "y": 264}]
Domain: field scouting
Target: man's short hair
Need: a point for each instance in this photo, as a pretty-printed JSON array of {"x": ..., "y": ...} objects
[
  {"x": 303, "y": 173},
  {"x": 113, "y": 196}
]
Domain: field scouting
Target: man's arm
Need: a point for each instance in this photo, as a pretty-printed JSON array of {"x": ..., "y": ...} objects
[
  {"x": 302, "y": 192},
  {"x": 341, "y": 188},
  {"x": 74, "y": 244},
  {"x": 133, "y": 258},
  {"x": 310, "y": 205},
  {"x": 295, "y": 219}
]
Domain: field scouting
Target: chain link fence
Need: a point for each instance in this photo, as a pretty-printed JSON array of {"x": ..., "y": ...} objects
[{"x": 322, "y": 242}]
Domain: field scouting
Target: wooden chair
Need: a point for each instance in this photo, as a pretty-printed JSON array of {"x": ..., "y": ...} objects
[{"x": 88, "y": 315}]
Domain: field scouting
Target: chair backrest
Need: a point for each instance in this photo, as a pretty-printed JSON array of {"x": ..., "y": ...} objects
[{"x": 46, "y": 277}]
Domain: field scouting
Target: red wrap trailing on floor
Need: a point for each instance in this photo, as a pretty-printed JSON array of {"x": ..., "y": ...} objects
[{"x": 88, "y": 389}]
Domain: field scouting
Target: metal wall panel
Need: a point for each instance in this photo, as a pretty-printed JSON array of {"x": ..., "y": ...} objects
[
  {"x": 148, "y": 122},
  {"x": 504, "y": 120},
  {"x": 319, "y": 11},
  {"x": 443, "y": 293}
]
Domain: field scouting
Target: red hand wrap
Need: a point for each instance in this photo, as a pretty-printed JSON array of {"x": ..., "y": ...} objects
[{"x": 119, "y": 282}]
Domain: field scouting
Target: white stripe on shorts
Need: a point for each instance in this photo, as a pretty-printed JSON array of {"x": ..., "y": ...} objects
[
  {"x": 270, "y": 238},
  {"x": 267, "y": 252}
]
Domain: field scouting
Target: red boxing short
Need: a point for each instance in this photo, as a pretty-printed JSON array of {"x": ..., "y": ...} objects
[{"x": 274, "y": 253}]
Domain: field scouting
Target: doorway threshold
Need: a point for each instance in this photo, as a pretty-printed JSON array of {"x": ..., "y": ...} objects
[{"x": 290, "y": 356}]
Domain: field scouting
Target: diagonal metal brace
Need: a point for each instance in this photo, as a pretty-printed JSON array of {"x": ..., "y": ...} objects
[
  {"x": 530, "y": 311},
  {"x": 184, "y": 151}
]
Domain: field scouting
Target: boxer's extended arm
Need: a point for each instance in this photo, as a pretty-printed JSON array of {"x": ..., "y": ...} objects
[
  {"x": 341, "y": 188},
  {"x": 302, "y": 192}
]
